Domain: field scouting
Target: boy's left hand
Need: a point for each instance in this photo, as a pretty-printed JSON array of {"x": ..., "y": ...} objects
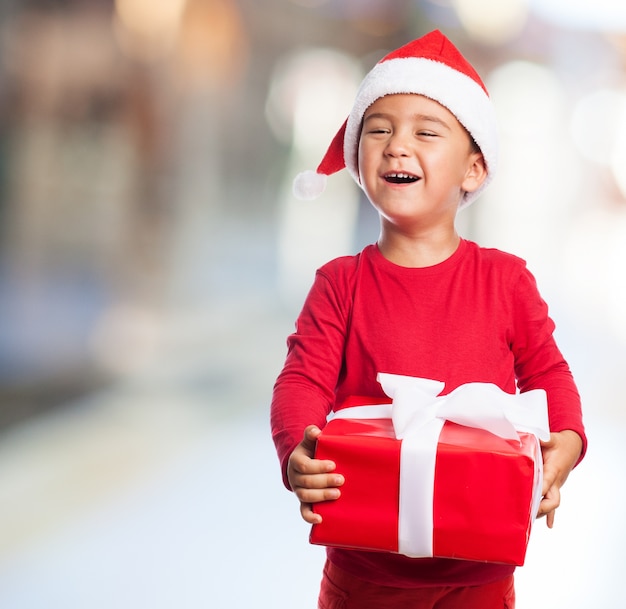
[{"x": 560, "y": 454}]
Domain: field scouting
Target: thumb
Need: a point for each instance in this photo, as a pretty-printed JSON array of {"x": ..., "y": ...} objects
[
  {"x": 311, "y": 433},
  {"x": 549, "y": 479}
]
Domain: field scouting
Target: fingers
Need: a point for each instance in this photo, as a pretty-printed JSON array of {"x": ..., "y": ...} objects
[
  {"x": 302, "y": 466},
  {"x": 306, "y": 508},
  {"x": 321, "y": 487},
  {"x": 549, "y": 504},
  {"x": 549, "y": 518},
  {"x": 314, "y": 489},
  {"x": 560, "y": 454},
  {"x": 312, "y": 480}
]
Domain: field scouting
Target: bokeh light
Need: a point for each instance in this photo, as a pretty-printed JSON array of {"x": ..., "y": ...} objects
[
  {"x": 147, "y": 30},
  {"x": 603, "y": 15},
  {"x": 491, "y": 22},
  {"x": 595, "y": 124}
]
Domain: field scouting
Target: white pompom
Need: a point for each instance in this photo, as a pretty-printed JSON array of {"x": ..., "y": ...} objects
[{"x": 309, "y": 185}]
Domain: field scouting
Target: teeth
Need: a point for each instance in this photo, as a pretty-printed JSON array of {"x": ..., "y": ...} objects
[{"x": 401, "y": 177}]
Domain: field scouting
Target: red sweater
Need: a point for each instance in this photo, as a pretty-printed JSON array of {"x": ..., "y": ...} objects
[{"x": 476, "y": 317}]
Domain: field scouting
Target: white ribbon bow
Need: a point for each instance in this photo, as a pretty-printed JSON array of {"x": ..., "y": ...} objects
[
  {"x": 418, "y": 414},
  {"x": 481, "y": 405}
]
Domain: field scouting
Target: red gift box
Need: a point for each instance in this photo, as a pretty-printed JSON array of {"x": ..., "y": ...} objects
[{"x": 482, "y": 499}]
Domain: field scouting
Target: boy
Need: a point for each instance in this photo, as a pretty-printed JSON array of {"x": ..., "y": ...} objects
[{"x": 422, "y": 302}]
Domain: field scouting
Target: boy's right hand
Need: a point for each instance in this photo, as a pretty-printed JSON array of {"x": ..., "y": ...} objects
[{"x": 312, "y": 480}]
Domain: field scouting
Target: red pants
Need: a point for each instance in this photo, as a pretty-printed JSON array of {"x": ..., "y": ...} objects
[{"x": 340, "y": 590}]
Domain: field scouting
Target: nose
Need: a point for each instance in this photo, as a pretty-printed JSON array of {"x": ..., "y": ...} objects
[{"x": 398, "y": 145}]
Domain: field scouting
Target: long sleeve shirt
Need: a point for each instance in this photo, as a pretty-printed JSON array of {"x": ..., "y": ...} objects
[{"x": 475, "y": 317}]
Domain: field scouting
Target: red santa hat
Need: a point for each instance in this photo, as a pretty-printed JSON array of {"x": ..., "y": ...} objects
[{"x": 431, "y": 66}]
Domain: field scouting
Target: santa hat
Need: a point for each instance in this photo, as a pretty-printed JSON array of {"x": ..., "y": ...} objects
[{"x": 431, "y": 66}]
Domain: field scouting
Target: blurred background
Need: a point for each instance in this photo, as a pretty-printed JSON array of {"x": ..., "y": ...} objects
[{"x": 153, "y": 261}]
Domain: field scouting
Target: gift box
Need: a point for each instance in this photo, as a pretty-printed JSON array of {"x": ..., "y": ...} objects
[{"x": 457, "y": 476}]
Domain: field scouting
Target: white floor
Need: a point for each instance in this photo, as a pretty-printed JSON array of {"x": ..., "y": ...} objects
[{"x": 163, "y": 492}]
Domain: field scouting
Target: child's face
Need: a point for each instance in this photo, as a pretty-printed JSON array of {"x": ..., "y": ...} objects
[{"x": 416, "y": 160}]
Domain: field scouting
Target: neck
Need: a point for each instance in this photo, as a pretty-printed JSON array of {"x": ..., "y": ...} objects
[{"x": 418, "y": 251}]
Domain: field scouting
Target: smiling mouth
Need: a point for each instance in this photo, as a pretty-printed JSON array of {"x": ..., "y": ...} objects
[{"x": 400, "y": 178}]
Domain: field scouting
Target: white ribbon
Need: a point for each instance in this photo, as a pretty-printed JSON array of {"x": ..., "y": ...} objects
[{"x": 418, "y": 414}]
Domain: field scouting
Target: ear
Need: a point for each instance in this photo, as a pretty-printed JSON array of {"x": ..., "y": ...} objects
[{"x": 476, "y": 172}]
